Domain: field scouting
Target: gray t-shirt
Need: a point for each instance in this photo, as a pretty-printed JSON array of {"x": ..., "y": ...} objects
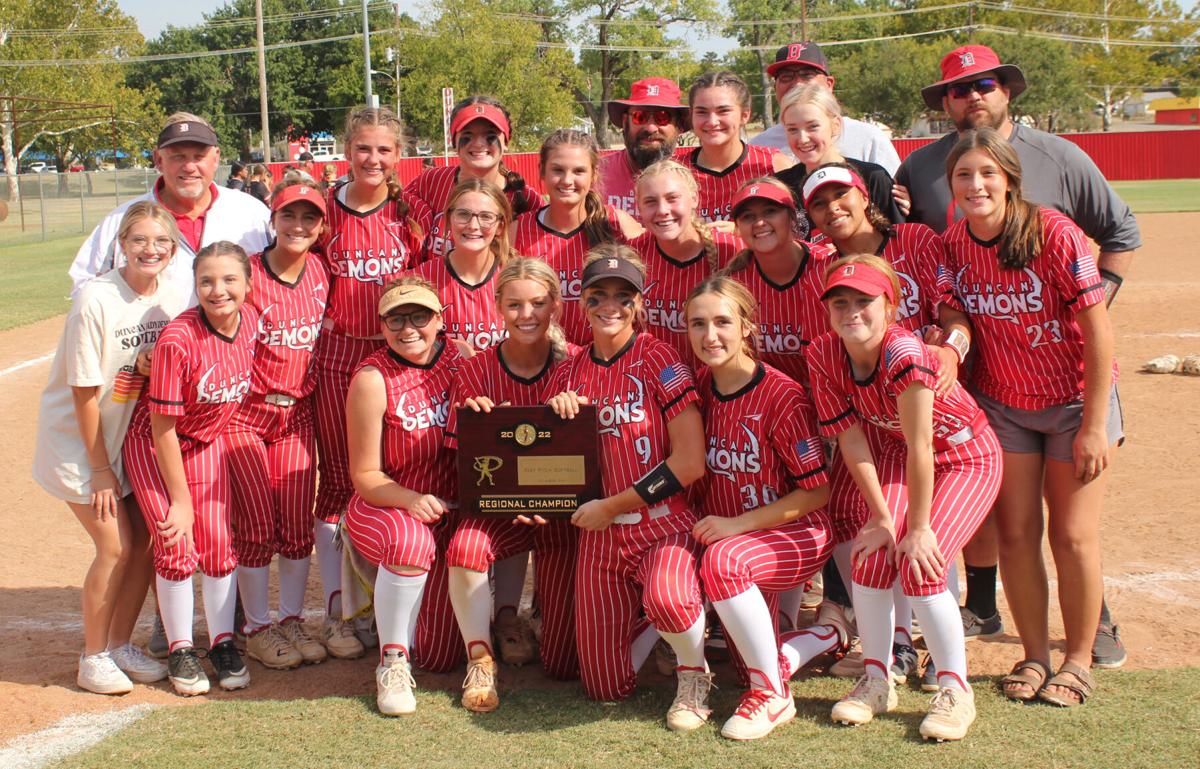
[
  {"x": 1055, "y": 173},
  {"x": 859, "y": 140}
]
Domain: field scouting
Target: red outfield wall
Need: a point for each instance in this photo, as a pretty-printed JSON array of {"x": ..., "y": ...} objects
[{"x": 1120, "y": 156}]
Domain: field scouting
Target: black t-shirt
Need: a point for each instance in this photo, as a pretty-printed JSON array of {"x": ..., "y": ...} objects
[
  {"x": 259, "y": 190},
  {"x": 879, "y": 190}
]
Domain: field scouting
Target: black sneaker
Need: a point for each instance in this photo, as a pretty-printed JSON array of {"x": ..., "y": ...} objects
[
  {"x": 157, "y": 646},
  {"x": 1107, "y": 650},
  {"x": 232, "y": 673},
  {"x": 185, "y": 672},
  {"x": 904, "y": 662},
  {"x": 929, "y": 679},
  {"x": 975, "y": 626},
  {"x": 715, "y": 645}
]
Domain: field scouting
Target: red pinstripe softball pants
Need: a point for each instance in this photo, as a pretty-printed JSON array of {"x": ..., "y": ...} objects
[
  {"x": 652, "y": 563},
  {"x": 388, "y": 536},
  {"x": 479, "y": 542},
  {"x": 271, "y": 454},
  {"x": 775, "y": 559},
  {"x": 208, "y": 484},
  {"x": 337, "y": 356},
  {"x": 966, "y": 482}
]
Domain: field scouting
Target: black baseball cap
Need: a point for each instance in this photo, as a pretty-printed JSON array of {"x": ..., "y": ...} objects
[
  {"x": 804, "y": 53},
  {"x": 611, "y": 267},
  {"x": 187, "y": 131}
]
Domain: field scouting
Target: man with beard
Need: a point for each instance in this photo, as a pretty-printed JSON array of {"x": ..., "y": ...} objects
[
  {"x": 651, "y": 120},
  {"x": 975, "y": 91}
]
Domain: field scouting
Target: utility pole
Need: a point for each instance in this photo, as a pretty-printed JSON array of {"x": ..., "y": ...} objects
[
  {"x": 367, "y": 52},
  {"x": 262, "y": 83},
  {"x": 803, "y": 19},
  {"x": 1107, "y": 121}
]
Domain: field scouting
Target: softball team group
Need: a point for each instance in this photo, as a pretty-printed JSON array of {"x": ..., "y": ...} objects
[{"x": 783, "y": 371}]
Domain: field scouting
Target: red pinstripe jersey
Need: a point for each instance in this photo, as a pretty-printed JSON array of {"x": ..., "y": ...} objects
[
  {"x": 1030, "y": 345},
  {"x": 915, "y": 252},
  {"x": 414, "y": 423},
  {"x": 433, "y": 185},
  {"x": 717, "y": 188},
  {"x": 198, "y": 376},
  {"x": 636, "y": 395},
  {"x": 790, "y": 315},
  {"x": 468, "y": 311},
  {"x": 618, "y": 181},
  {"x": 669, "y": 282},
  {"x": 761, "y": 443},
  {"x": 364, "y": 251},
  {"x": 289, "y": 321},
  {"x": 564, "y": 251},
  {"x": 487, "y": 374},
  {"x": 843, "y": 401}
]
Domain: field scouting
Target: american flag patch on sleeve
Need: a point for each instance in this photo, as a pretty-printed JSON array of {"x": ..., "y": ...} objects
[
  {"x": 811, "y": 451},
  {"x": 673, "y": 376}
]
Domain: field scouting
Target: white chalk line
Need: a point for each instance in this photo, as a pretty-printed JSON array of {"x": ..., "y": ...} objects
[
  {"x": 26, "y": 364},
  {"x": 67, "y": 736}
]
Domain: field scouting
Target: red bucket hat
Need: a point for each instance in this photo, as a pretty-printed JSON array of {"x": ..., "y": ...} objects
[
  {"x": 658, "y": 92},
  {"x": 969, "y": 61}
]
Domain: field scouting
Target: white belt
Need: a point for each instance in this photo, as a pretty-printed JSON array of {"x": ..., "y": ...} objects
[
  {"x": 962, "y": 436},
  {"x": 279, "y": 399},
  {"x": 651, "y": 514}
]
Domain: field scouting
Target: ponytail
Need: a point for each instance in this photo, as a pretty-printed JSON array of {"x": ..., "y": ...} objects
[
  {"x": 711, "y": 257},
  {"x": 596, "y": 225},
  {"x": 740, "y": 261}
]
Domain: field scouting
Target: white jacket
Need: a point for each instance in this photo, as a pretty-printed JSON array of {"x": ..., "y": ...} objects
[{"x": 234, "y": 216}]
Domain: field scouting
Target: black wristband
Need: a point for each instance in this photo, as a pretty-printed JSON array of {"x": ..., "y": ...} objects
[
  {"x": 1112, "y": 277},
  {"x": 657, "y": 485},
  {"x": 1111, "y": 282}
]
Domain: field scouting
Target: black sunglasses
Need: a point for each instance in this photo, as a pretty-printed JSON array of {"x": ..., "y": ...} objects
[{"x": 982, "y": 86}]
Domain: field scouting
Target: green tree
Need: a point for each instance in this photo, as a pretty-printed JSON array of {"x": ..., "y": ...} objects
[{"x": 79, "y": 32}]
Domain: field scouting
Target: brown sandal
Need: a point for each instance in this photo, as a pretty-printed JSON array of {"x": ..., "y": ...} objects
[
  {"x": 1073, "y": 678},
  {"x": 1031, "y": 673}
]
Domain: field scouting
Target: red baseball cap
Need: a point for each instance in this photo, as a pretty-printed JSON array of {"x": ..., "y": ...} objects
[
  {"x": 298, "y": 192},
  {"x": 860, "y": 277},
  {"x": 826, "y": 175},
  {"x": 486, "y": 112},
  {"x": 804, "y": 54},
  {"x": 966, "y": 62},
  {"x": 762, "y": 191},
  {"x": 658, "y": 92}
]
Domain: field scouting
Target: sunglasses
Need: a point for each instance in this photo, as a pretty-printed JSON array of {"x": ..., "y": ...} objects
[
  {"x": 656, "y": 116},
  {"x": 417, "y": 319},
  {"x": 982, "y": 86}
]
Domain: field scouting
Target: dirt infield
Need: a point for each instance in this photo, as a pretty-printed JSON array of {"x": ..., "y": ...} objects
[{"x": 1150, "y": 527}]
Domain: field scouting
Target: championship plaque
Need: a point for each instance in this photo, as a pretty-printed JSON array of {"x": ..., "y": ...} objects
[{"x": 525, "y": 460}]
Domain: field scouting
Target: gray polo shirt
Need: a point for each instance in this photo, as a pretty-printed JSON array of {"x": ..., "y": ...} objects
[{"x": 1055, "y": 173}]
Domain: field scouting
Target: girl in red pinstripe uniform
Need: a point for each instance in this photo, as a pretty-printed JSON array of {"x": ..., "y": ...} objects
[
  {"x": 372, "y": 234},
  {"x": 928, "y": 490},
  {"x": 574, "y": 221},
  {"x": 763, "y": 521},
  {"x": 1047, "y": 379},
  {"x": 718, "y": 110},
  {"x": 175, "y": 455},
  {"x": 402, "y": 512},
  {"x": 516, "y": 372},
  {"x": 480, "y": 129},
  {"x": 271, "y": 439},
  {"x": 636, "y": 545},
  {"x": 677, "y": 248}
]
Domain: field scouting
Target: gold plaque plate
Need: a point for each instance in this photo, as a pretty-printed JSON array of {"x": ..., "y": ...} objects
[{"x": 551, "y": 470}]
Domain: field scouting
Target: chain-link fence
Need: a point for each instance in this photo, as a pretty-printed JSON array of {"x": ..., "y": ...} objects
[{"x": 55, "y": 205}]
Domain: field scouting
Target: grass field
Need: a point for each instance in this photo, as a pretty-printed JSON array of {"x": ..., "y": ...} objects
[
  {"x": 1136, "y": 719},
  {"x": 35, "y": 286}
]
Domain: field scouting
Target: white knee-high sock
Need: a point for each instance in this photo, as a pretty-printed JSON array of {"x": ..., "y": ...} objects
[
  {"x": 253, "y": 583},
  {"x": 293, "y": 582},
  {"x": 689, "y": 645},
  {"x": 749, "y": 624},
  {"x": 329, "y": 561},
  {"x": 952, "y": 580},
  {"x": 942, "y": 626},
  {"x": 508, "y": 576},
  {"x": 176, "y": 604},
  {"x": 902, "y": 633},
  {"x": 472, "y": 602},
  {"x": 875, "y": 616},
  {"x": 801, "y": 646},
  {"x": 397, "y": 604},
  {"x": 220, "y": 596},
  {"x": 642, "y": 645}
]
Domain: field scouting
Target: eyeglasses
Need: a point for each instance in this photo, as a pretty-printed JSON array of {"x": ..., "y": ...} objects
[
  {"x": 982, "y": 86},
  {"x": 141, "y": 243},
  {"x": 417, "y": 319},
  {"x": 796, "y": 74},
  {"x": 464, "y": 216},
  {"x": 656, "y": 116}
]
